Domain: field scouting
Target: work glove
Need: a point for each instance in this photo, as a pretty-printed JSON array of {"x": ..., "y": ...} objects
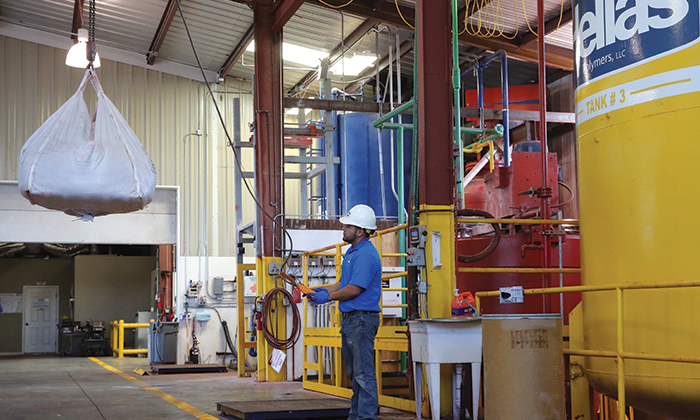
[{"x": 321, "y": 296}]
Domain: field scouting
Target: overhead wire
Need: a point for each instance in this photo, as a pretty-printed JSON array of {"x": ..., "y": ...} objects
[
  {"x": 336, "y": 7},
  {"x": 228, "y": 136},
  {"x": 401, "y": 15},
  {"x": 527, "y": 20}
]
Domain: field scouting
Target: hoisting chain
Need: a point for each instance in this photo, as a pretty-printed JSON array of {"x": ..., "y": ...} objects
[{"x": 91, "y": 21}]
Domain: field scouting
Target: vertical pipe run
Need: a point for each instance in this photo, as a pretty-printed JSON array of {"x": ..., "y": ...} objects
[
  {"x": 480, "y": 93},
  {"x": 401, "y": 207},
  {"x": 505, "y": 105},
  {"x": 456, "y": 85},
  {"x": 545, "y": 191}
]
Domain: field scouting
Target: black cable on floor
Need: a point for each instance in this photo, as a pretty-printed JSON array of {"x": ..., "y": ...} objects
[{"x": 88, "y": 397}]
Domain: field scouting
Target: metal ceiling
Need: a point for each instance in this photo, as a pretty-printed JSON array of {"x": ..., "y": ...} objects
[{"x": 217, "y": 27}]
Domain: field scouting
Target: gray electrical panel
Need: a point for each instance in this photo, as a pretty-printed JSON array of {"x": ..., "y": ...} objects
[{"x": 218, "y": 285}]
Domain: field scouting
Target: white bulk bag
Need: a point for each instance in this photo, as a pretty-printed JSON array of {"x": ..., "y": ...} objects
[{"x": 86, "y": 167}]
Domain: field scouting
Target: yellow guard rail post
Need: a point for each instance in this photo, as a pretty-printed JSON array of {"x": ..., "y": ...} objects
[{"x": 117, "y": 337}]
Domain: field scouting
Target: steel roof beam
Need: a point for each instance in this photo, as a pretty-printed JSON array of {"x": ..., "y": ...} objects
[
  {"x": 77, "y": 19},
  {"x": 237, "y": 52},
  {"x": 337, "y": 53},
  {"x": 161, "y": 32},
  {"x": 387, "y": 13},
  {"x": 284, "y": 10}
]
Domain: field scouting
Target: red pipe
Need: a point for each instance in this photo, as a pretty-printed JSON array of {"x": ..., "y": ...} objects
[{"x": 545, "y": 192}]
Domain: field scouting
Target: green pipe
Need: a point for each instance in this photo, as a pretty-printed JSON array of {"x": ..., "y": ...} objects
[
  {"x": 402, "y": 217},
  {"x": 393, "y": 126},
  {"x": 393, "y": 113},
  {"x": 496, "y": 130},
  {"x": 459, "y": 160}
]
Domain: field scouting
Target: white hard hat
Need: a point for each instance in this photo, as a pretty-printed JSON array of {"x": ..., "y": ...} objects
[{"x": 360, "y": 216}]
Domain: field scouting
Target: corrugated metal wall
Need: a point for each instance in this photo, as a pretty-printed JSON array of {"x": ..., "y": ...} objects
[{"x": 165, "y": 112}]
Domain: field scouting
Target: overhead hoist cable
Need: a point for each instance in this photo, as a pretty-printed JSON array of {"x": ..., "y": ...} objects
[{"x": 228, "y": 136}]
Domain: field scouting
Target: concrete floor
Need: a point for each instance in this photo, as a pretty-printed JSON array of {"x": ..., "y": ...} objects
[{"x": 82, "y": 389}]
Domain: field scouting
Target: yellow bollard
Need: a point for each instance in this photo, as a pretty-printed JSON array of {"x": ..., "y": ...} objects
[{"x": 121, "y": 338}]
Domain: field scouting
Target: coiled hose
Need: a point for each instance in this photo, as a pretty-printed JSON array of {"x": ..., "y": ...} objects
[
  {"x": 269, "y": 304},
  {"x": 494, "y": 242}
]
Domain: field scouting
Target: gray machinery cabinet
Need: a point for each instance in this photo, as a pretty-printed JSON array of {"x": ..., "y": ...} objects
[{"x": 162, "y": 346}]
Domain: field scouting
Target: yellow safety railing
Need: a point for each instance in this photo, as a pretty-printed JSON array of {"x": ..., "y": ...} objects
[
  {"x": 475, "y": 220},
  {"x": 389, "y": 338},
  {"x": 620, "y": 354},
  {"x": 243, "y": 344},
  {"x": 117, "y": 337}
]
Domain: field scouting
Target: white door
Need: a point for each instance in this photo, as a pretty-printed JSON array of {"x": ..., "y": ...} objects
[{"x": 40, "y": 319}]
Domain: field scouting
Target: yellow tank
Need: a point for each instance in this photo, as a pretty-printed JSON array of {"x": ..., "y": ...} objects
[{"x": 638, "y": 125}]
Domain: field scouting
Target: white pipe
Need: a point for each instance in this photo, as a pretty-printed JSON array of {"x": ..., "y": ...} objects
[
  {"x": 475, "y": 170},
  {"x": 457, "y": 390},
  {"x": 390, "y": 84},
  {"x": 399, "y": 98},
  {"x": 379, "y": 136}
]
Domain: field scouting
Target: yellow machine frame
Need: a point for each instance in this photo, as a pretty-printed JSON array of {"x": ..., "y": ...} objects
[{"x": 390, "y": 338}]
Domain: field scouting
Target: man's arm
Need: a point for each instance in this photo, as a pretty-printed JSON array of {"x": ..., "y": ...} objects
[
  {"x": 346, "y": 293},
  {"x": 334, "y": 287}
]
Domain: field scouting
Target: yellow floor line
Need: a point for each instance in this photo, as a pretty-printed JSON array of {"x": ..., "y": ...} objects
[{"x": 169, "y": 398}]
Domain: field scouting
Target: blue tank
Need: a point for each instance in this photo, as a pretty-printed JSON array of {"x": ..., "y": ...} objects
[{"x": 359, "y": 178}]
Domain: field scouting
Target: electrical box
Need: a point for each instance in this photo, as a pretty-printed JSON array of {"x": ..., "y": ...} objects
[
  {"x": 417, "y": 236},
  {"x": 218, "y": 285},
  {"x": 274, "y": 268},
  {"x": 511, "y": 294},
  {"x": 416, "y": 257}
]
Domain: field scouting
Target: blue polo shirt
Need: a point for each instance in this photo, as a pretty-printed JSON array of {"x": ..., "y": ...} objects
[{"x": 363, "y": 268}]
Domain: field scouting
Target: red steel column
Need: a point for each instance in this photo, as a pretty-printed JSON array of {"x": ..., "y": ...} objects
[
  {"x": 435, "y": 97},
  {"x": 545, "y": 191},
  {"x": 268, "y": 125}
]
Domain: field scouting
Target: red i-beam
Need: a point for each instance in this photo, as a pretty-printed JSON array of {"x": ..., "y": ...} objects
[
  {"x": 435, "y": 102},
  {"x": 268, "y": 128}
]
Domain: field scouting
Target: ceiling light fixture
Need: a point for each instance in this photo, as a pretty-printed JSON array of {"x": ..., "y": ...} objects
[
  {"x": 77, "y": 55},
  {"x": 83, "y": 54}
]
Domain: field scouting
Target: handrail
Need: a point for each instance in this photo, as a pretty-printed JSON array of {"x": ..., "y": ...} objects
[
  {"x": 519, "y": 270},
  {"x": 620, "y": 354},
  {"x": 393, "y": 113},
  {"x": 474, "y": 220}
]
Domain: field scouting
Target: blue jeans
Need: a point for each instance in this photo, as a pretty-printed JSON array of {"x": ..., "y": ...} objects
[{"x": 358, "y": 332}]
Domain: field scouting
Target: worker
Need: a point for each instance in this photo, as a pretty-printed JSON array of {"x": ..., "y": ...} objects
[{"x": 358, "y": 293}]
